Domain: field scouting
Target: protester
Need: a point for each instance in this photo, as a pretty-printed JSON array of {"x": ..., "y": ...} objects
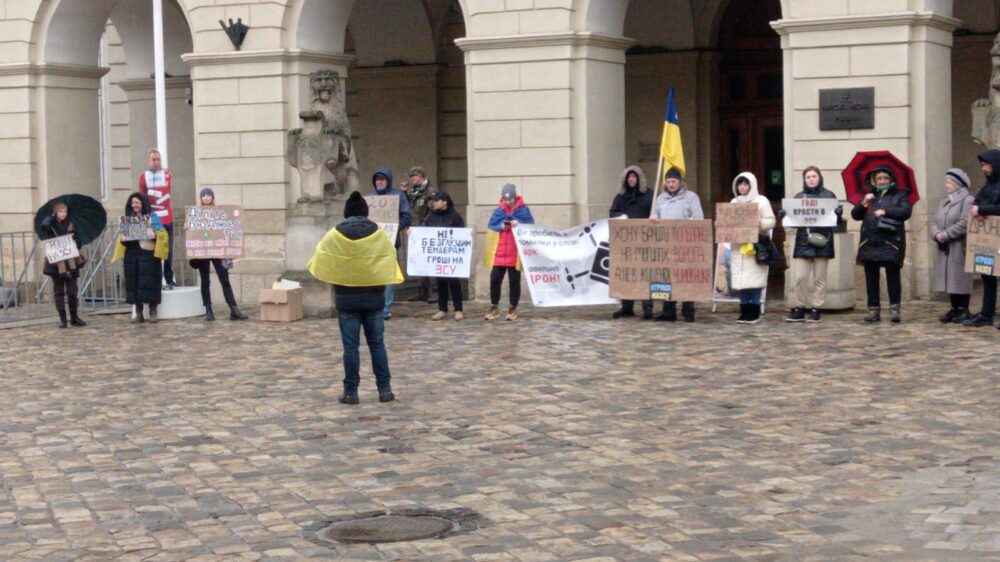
[
  {"x": 204, "y": 267},
  {"x": 987, "y": 204},
  {"x": 444, "y": 215},
  {"x": 811, "y": 256},
  {"x": 143, "y": 269},
  {"x": 501, "y": 256},
  {"x": 883, "y": 214},
  {"x": 156, "y": 183},
  {"x": 382, "y": 182},
  {"x": 418, "y": 194},
  {"x": 948, "y": 231},
  {"x": 633, "y": 201},
  {"x": 65, "y": 273},
  {"x": 749, "y": 278},
  {"x": 359, "y": 260},
  {"x": 677, "y": 202}
]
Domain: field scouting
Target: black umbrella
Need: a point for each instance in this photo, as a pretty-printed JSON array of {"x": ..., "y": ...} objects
[{"x": 86, "y": 213}]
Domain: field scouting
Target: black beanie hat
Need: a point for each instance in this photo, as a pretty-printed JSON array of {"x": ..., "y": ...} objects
[
  {"x": 356, "y": 206},
  {"x": 673, "y": 173}
]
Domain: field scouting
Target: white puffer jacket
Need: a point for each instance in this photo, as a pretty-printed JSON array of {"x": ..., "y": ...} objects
[{"x": 746, "y": 272}]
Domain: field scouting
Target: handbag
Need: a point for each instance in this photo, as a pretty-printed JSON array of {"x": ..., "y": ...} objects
[
  {"x": 765, "y": 252},
  {"x": 817, "y": 240}
]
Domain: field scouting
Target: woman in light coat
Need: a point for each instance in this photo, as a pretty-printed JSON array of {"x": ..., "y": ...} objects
[
  {"x": 948, "y": 231},
  {"x": 749, "y": 278}
]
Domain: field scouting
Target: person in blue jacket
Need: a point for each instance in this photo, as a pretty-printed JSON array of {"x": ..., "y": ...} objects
[{"x": 382, "y": 182}]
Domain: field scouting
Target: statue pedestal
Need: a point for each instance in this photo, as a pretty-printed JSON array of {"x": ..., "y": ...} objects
[
  {"x": 840, "y": 294},
  {"x": 305, "y": 226}
]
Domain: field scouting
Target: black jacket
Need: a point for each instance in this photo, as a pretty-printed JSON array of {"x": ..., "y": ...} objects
[
  {"x": 988, "y": 197},
  {"x": 448, "y": 218},
  {"x": 360, "y": 299},
  {"x": 632, "y": 203},
  {"x": 802, "y": 248},
  {"x": 54, "y": 229},
  {"x": 879, "y": 245}
]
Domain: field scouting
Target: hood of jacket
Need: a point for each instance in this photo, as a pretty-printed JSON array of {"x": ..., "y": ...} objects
[
  {"x": 356, "y": 228},
  {"x": 443, "y": 196},
  {"x": 623, "y": 187},
  {"x": 992, "y": 157},
  {"x": 753, "y": 193},
  {"x": 146, "y": 209},
  {"x": 870, "y": 178},
  {"x": 388, "y": 176}
]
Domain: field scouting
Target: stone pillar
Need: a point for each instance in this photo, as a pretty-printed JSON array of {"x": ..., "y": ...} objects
[
  {"x": 546, "y": 112},
  {"x": 905, "y": 56}
]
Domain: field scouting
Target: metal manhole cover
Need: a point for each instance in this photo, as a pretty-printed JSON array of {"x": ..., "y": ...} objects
[{"x": 389, "y": 528}]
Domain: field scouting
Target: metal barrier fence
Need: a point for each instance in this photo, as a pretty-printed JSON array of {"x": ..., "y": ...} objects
[{"x": 25, "y": 293}]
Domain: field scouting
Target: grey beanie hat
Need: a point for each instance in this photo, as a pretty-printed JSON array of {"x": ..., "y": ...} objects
[
  {"x": 508, "y": 190},
  {"x": 959, "y": 175},
  {"x": 206, "y": 191}
]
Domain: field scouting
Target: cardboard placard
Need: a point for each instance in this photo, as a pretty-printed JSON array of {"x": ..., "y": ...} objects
[
  {"x": 737, "y": 223},
  {"x": 809, "y": 212},
  {"x": 664, "y": 260},
  {"x": 213, "y": 232},
  {"x": 60, "y": 249},
  {"x": 139, "y": 227},
  {"x": 983, "y": 246},
  {"x": 383, "y": 210},
  {"x": 565, "y": 267},
  {"x": 439, "y": 252}
]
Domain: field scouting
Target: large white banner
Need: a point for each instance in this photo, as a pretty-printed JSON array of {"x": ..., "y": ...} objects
[
  {"x": 439, "y": 252},
  {"x": 568, "y": 267}
]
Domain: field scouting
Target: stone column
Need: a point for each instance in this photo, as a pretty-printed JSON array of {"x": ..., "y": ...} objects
[
  {"x": 546, "y": 112},
  {"x": 905, "y": 56}
]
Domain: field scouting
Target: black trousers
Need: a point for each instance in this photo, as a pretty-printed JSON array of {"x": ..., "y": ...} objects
[
  {"x": 452, "y": 285},
  {"x": 960, "y": 301},
  {"x": 168, "y": 265},
  {"x": 892, "y": 281},
  {"x": 64, "y": 290},
  {"x": 204, "y": 271},
  {"x": 496, "y": 282}
]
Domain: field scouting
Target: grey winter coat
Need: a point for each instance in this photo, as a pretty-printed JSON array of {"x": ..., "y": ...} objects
[
  {"x": 949, "y": 264},
  {"x": 682, "y": 206}
]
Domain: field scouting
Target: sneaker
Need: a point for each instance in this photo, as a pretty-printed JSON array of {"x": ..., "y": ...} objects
[
  {"x": 387, "y": 316},
  {"x": 894, "y": 315},
  {"x": 796, "y": 315},
  {"x": 439, "y": 315},
  {"x": 622, "y": 313},
  {"x": 978, "y": 321},
  {"x": 814, "y": 316},
  {"x": 459, "y": 316},
  {"x": 386, "y": 395},
  {"x": 511, "y": 314},
  {"x": 349, "y": 398},
  {"x": 492, "y": 314},
  {"x": 874, "y": 314}
]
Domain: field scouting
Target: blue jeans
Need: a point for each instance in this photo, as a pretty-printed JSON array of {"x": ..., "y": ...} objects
[
  {"x": 390, "y": 295},
  {"x": 351, "y": 322},
  {"x": 750, "y": 296}
]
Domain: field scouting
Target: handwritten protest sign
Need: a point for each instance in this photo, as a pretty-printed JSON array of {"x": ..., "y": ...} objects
[
  {"x": 565, "y": 267},
  {"x": 136, "y": 228},
  {"x": 665, "y": 260},
  {"x": 383, "y": 210},
  {"x": 809, "y": 212},
  {"x": 983, "y": 246},
  {"x": 213, "y": 232},
  {"x": 61, "y": 249},
  {"x": 736, "y": 222},
  {"x": 439, "y": 252}
]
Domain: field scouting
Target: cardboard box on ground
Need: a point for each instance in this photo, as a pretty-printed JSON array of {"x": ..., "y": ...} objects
[{"x": 282, "y": 302}]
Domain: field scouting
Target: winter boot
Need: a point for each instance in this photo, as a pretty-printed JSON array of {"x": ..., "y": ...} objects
[
  {"x": 669, "y": 313},
  {"x": 209, "y": 314},
  {"x": 754, "y": 315},
  {"x": 138, "y": 315},
  {"x": 961, "y": 316},
  {"x": 62, "y": 318},
  {"x": 74, "y": 318},
  {"x": 744, "y": 314},
  {"x": 623, "y": 313},
  {"x": 948, "y": 317},
  {"x": 349, "y": 398},
  {"x": 153, "y": 319},
  {"x": 874, "y": 314},
  {"x": 235, "y": 314},
  {"x": 894, "y": 314},
  {"x": 386, "y": 395}
]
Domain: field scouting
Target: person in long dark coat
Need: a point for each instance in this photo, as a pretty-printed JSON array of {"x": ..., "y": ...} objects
[
  {"x": 65, "y": 273},
  {"x": 883, "y": 214},
  {"x": 143, "y": 271},
  {"x": 948, "y": 231}
]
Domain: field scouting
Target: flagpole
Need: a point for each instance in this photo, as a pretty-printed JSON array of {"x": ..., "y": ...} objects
[{"x": 656, "y": 188}]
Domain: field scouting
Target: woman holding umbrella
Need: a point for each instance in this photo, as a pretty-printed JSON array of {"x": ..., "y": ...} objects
[
  {"x": 883, "y": 212},
  {"x": 142, "y": 260}
]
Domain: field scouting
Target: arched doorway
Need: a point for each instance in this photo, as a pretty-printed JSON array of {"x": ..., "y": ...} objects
[{"x": 751, "y": 108}]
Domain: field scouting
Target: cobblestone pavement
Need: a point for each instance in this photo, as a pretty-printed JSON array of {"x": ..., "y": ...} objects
[{"x": 576, "y": 438}]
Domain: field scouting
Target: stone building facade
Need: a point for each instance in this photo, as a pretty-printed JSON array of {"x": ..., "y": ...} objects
[{"x": 556, "y": 96}]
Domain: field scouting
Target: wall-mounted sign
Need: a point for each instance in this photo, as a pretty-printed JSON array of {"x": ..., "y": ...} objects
[{"x": 848, "y": 108}]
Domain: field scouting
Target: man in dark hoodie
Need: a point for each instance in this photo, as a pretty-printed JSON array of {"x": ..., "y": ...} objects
[
  {"x": 382, "y": 182},
  {"x": 444, "y": 215},
  {"x": 987, "y": 204},
  {"x": 633, "y": 201},
  {"x": 358, "y": 259}
]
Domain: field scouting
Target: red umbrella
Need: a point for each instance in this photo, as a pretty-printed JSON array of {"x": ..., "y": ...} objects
[{"x": 859, "y": 180}]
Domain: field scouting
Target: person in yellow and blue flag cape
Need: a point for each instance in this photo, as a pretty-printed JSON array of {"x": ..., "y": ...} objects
[
  {"x": 359, "y": 260},
  {"x": 500, "y": 256}
]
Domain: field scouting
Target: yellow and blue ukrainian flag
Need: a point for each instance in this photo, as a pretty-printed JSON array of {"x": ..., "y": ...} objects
[{"x": 670, "y": 146}]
